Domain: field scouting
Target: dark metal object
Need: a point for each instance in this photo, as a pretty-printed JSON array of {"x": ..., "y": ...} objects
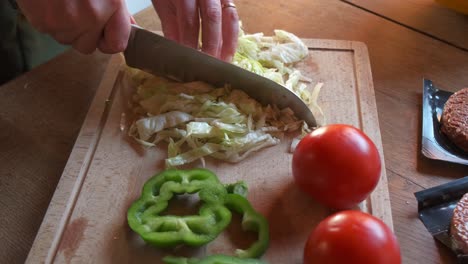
[
  {"x": 435, "y": 145},
  {"x": 435, "y": 209}
]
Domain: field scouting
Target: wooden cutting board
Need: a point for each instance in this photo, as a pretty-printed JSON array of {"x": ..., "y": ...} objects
[{"x": 86, "y": 219}]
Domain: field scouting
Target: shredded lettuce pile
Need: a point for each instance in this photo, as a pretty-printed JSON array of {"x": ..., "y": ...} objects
[
  {"x": 274, "y": 57},
  {"x": 198, "y": 120}
]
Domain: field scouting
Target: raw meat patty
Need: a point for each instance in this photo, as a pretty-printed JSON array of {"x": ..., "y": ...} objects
[{"x": 455, "y": 119}]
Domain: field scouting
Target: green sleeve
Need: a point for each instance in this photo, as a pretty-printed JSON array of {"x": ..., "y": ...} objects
[{"x": 21, "y": 46}]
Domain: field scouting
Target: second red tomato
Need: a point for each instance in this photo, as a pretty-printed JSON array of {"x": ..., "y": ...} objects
[{"x": 352, "y": 237}]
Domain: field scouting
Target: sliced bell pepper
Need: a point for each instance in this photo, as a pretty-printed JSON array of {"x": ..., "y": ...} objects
[
  {"x": 213, "y": 259},
  {"x": 195, "y": 230},
  {"x": 251, "y": 221},
  {"x": 237, "y": 188},
  {"x": 168, "y": 231}
]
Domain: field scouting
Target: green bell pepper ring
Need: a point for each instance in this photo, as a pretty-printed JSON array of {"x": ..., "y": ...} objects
[
  {"x": 167, "y": 231},
  {"x": 213, "y": 259},
  {"x": 251, "y": 221},
  {"x": 237, "y": 188}
]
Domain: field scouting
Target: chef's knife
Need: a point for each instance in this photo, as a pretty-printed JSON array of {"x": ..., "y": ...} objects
[{"x": 158, "y": 55}]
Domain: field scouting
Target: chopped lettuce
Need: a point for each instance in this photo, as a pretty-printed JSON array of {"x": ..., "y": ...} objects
[
  {"x": 248, "y": 64},
  {"x": 197, "y": 120},
  {"x": 147, "y": 127},
  {"x": 274, "y": 57}
]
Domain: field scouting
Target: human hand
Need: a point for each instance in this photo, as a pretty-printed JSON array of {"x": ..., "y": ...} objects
[
  {"x": 83, "y": 24},
  {"x": 181, "y": 19}
]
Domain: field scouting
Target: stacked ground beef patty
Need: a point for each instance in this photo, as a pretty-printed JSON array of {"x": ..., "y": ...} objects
[
  {"x": 459, "y": 227},
  {"x": 454, "y": 121}
]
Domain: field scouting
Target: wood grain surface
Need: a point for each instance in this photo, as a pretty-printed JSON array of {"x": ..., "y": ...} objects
[
  {"x": 86, "y": 219},
  {"x": 400, "y": 57},
  {"x": 424, "y": 15},
  {"x": 40, "y": 117}
]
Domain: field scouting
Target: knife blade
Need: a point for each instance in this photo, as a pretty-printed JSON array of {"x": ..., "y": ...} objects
[{"x": 158, "y": 55}]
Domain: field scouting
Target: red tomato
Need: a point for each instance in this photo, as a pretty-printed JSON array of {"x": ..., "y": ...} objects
[
  {"x": 352, "y": 237},
  {"x": 338, "y": 165}
]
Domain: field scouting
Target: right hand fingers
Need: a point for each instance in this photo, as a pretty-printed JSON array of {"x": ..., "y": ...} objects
[
  {"x": 230, "y": 32},
  {"x": 167, "y": 13},
  {"x": 210, "y": 11},
  {"x": 180, "y": 20},
  {"x": 188, "y": 22}
]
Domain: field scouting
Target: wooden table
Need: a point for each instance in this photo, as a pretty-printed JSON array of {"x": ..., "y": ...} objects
[{"x": 42, "y": 111}]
